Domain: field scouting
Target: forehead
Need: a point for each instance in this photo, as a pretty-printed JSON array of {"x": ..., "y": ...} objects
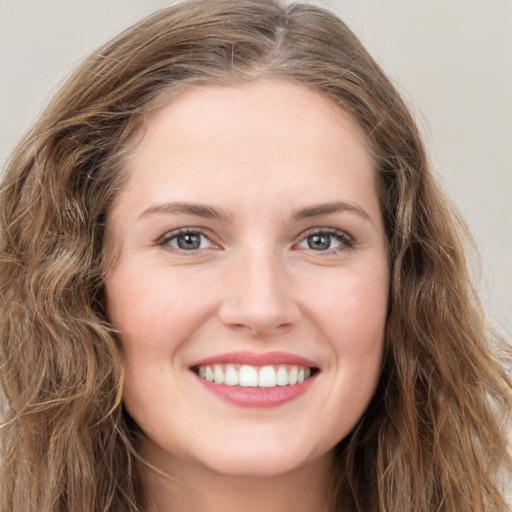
[
  {"x": 196, "y": 106},
  {"x": 271, "y": 139}
]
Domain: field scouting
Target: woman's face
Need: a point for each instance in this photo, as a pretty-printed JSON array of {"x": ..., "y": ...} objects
[{"x": 252, "y": 257}]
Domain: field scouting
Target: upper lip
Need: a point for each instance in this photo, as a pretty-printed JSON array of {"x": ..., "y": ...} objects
[{"x": 256, "y": 359}]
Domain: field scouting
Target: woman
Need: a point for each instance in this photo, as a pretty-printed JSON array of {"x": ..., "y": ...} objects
[{"x": 229, "y": 281}]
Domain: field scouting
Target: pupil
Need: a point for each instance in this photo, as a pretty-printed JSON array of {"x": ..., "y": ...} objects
[
  {"x": 319, "y": 242},
  {"x": 189, "y": 241}
]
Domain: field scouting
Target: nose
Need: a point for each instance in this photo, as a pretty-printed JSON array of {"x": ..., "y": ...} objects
[{"x": 259, "y": 296}]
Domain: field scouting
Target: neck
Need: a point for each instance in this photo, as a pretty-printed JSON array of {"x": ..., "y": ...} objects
[{"x": 184, "y": 486}]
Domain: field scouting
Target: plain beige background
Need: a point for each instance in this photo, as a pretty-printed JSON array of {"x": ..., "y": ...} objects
[{"x": 452, "y": 60}]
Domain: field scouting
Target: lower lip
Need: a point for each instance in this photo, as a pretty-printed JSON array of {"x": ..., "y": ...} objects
[{"x": 257, "y": 397}]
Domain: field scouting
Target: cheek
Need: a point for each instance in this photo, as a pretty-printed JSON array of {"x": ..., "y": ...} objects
[
  {"x": 152, "y": 318},
  {"x": 352, "y": 305},
  {"x": 352, "y": 317},
  {"x": 152, "y": 309},
  {"x": 361, "y": 322}
]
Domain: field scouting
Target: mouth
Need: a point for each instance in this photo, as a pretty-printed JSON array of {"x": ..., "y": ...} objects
[
  {"x": 251, "y": 379},
  {"x": 250, "y": 376}
]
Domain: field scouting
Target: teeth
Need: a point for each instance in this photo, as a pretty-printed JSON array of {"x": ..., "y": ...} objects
[
  {"x": 267, "y": 377},
  {"x": 254, "y": 376},
  {"x": 209, "y": 374},
  {"x": 282, "y": 377},
  {"x": 292, "y": 375},
  {"x": 248, "y": 376},
  {"x": 231, "y": 376},
  {"x": 218, "y": 373}
]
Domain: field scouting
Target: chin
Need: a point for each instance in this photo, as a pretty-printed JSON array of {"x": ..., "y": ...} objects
[{"x": 258, "y": 459}]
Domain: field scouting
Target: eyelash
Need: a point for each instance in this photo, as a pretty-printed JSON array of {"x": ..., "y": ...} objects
[
  {"x": 345, "y": 240},
  {"x": 165, "y": 240}
]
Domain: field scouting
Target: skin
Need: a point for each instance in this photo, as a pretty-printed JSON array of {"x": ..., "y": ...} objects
[{"x": 257, "y": 153}]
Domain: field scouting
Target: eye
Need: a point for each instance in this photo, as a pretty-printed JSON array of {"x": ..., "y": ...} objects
[
  {"x": 322, "y": 240},
  {"x": 186, "y": 240}
]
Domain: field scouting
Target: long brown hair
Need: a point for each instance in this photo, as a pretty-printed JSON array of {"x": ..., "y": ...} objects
[{"x": 434, "y": 437}]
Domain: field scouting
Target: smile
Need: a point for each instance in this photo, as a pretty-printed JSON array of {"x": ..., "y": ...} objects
[
  {"x": 249, "y": 379},
  {"x": 268, "y": 376}
]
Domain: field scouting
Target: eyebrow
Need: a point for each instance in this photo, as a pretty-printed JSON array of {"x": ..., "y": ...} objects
[
  {"x": 328, "y": 208},
  {"x": 208, "y": 212},
  {"x": 199, "y": 210}
]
